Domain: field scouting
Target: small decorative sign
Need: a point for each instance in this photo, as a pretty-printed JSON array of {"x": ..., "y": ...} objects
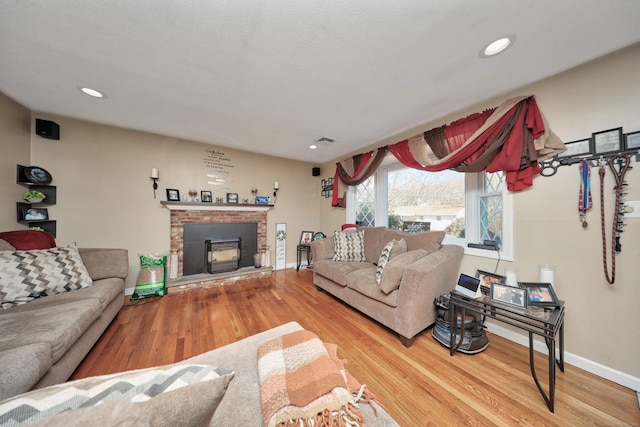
[{"x": 281, "y": 246}]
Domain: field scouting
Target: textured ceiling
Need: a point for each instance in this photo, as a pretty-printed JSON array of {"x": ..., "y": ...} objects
[{"x": 274, "y": 76}]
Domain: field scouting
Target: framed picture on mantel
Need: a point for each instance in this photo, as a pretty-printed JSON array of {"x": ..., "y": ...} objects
[{"x": 173, "y": 195}]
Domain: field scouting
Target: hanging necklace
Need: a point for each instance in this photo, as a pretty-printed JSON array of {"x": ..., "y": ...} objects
[
  {"x": 584, "y": 201},
  {"x": 623, "y": 161}
]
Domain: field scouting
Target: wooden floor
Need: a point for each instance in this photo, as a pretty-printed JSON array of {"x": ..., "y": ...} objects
[{"x": 420, "y": 386}]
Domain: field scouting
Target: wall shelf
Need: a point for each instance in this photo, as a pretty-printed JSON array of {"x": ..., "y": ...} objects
[{"x": 49, "y": 191}]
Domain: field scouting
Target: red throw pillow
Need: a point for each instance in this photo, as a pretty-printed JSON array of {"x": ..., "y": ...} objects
[{"x": 25, "y": 240}]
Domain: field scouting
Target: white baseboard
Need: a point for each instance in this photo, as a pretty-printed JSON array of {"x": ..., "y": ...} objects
[{"x": 595, "y": 368}]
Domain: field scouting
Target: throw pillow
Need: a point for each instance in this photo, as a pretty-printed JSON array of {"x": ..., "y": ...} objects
[
  {"x": 391, "y": 249},
  {"x": 24, "y": 240},
  {"x": 27, "y": 275},
  {"x": 394, "y": 269},
  {"x": 349, "y": 246},
  {"x": 179, "y": 394}
]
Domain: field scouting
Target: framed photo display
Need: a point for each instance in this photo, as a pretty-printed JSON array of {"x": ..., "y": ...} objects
[
  {"x": 173, "y": 195},
  {"x": 581, "y": 147},
  {"x": 632, "y": 140},
  {"x": 35, "y": 214},
  {"x": 487, "y": 279},
  {"x": 540, "y": 294},
  {"x": 232, "y": 198},
  {"x": 607, "y": 141},
  {"x": 503, "y": 294},
  {"x": 306, "y": 237},
  {"x": 206, "y": 196}
]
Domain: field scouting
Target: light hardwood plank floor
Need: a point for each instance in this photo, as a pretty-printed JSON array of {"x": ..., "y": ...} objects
[{"x": 421, "y": 385}]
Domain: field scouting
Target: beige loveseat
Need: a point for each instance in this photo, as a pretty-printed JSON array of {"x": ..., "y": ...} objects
[
  {"x": 43, "y": 341},
  {"x": 410, "y": 281}
]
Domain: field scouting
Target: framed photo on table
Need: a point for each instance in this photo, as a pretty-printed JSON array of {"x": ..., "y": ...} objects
[
  {"x": 487, "y": 279},
  {"x": 306, "y": 237},
  {"x": 503, "y": 294},
  {"x": 541, "y": 294}
]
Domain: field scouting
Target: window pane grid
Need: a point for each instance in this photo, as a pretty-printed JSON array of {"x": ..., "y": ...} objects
[
  {"x": 491, "y": 207},
  {"x": 365, "y": 203}
]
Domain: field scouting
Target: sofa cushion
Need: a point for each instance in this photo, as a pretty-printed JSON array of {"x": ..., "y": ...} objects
[
  {"x": 29, "y": 239},
  {"x": 349, "y": 246},
  {"x": 22, "y": 368},
  {"x": 338, "y": 271},
  {"x": 374, "y": 240},
  {"x": 104, "y": 291},
  {"x": 180, "y": 394},
  {"x": 428, "y": 240},
  {"x": 59, "y": 326},
  {"x": 391, "y": 249},
  {"x": 26, "y": 275},
  {"x": 394, "y": 269},
  {"x": 364, "y": 282}
]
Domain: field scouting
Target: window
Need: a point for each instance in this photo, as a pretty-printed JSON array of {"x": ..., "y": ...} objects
[{"x": 468, "y": 207}]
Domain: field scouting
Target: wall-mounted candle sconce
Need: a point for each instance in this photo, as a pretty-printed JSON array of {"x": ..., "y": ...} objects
[
  {"x": 276, "y": 187},
  {"x": 154, "y": 176}
]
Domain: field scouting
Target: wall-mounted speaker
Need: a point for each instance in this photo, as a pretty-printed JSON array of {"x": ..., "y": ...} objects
[
  {"x": 47, "y": 129},
  {"x": 315, "y": 171}
]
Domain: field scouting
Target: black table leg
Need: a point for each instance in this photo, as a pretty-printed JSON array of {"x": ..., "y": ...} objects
[{"x": 549, "y": 399}]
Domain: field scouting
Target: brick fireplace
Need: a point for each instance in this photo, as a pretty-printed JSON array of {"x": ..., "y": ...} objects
[{"x": 182, "y": 213}]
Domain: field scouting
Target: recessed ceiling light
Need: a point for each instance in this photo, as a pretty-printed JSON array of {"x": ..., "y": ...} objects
[
  {"x": 497, "y": 46},
  {"x": 92, "y": 92},
  {"x": 313, "y": 147}
]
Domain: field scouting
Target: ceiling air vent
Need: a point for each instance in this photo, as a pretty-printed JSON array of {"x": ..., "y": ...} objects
[{"x": 326, "y": 140}]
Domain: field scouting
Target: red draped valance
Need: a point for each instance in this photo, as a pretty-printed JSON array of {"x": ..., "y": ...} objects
[{"x": 512, "y": 138}]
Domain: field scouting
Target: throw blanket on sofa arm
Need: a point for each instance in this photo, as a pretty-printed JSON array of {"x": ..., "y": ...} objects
[{"x": 302, "y": 382}]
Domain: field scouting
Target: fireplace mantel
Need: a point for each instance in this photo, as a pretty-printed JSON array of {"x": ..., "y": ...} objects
[{"x": 199, "y": 206}]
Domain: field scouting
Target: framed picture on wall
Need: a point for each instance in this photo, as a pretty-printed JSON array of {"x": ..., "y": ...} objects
[
  {"x": 632, "y": 140},
  {"x": 607, "y": 141},
  {"x": 581, "y": 147}
]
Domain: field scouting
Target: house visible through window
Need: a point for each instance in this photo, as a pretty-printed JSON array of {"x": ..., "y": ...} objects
[{"x": 468, "y": 207}]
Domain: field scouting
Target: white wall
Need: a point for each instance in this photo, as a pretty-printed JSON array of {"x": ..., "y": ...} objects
[
  {"x": 602, "y": 320},
  {"x": 14, "y": 141}
]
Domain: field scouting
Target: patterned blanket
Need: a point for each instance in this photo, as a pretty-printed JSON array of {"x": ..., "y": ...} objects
[{"x": 304, "y": 383}]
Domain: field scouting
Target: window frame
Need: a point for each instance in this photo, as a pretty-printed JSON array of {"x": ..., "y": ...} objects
[{"x": 473, "y": 191}]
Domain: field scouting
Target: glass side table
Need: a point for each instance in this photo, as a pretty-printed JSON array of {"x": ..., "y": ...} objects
[
  {"x": 301, "y": 249},
  {"x": 550, "y": 328}
]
